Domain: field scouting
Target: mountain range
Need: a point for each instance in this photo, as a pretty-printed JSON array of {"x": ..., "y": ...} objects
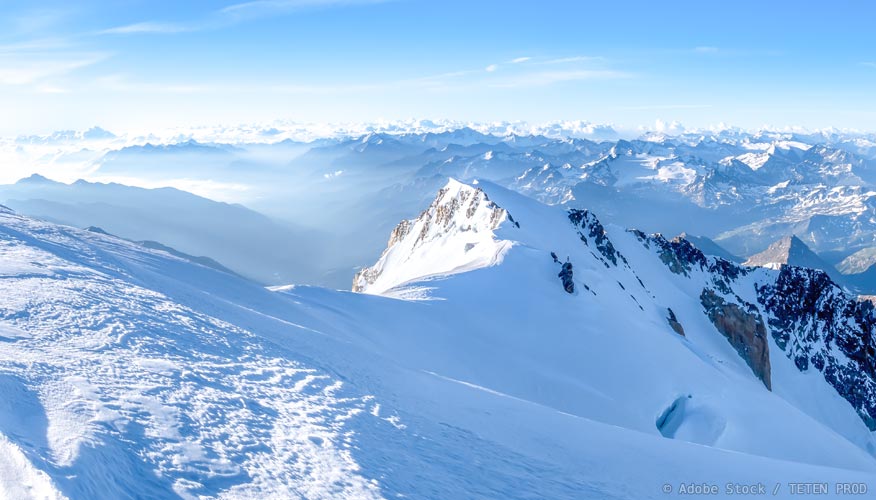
[
  {"x": 741, "y": 190},
  {"x": 499, "y": 348},
  {"x": 252, "y": 244}
]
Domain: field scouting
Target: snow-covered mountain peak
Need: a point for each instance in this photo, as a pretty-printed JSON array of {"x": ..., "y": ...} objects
[
  {"x": 789, "y": 250},
  {"x": 130, "y": 372},
  {"x": 563, "y": 274},
  {"x": 622, "y": 148},
  {"x": 454, "y": 234}
]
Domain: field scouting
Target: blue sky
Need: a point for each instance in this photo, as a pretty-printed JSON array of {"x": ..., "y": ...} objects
[{"x": 140, "y": 65}]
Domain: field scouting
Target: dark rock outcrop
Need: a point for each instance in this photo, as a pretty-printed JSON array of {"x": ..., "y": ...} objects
[
  {"x": 679, "y": 255},
  {"x": 818, "y": 326},
  {"x": 682, "y": 257},
  {"x": 744, "y": 328},
  {"x": 673, "y": 322},
  {"x": 588, "y": 226},
  {"x": 566, "y": 277}
]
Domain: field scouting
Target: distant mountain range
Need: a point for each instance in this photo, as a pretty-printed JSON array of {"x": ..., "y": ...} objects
[
  {"x": 248, "y": 242},
  {"x": 741, "y": 190}
]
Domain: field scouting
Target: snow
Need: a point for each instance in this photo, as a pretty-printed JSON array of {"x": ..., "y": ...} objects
[
  {"x": 462, "y": 242},
  {"x": 743, "y": 418},
  {"x": 140, "y": 374},
  {"x": 20, "y": 479}
]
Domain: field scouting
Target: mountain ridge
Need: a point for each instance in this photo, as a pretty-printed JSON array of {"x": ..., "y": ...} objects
[{"x": 187, "y": 381}]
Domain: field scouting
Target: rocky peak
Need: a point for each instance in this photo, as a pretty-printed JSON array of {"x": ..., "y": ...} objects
[
  {"x": 455, "y": 233},
  {"x": 622, "y": 148},
  {"x": 791, "y": 251},
  {"x": 811, "y": 319},
  {"x": 819, "y": 327}
]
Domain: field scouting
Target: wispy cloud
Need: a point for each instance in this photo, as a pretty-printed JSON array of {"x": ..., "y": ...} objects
[
  {"x": 869, "y": 64},
  {"x": 574, "y": 59},
  {"x": 545, "y": 78},
  {"x": 36, "y": 59},
  {"x": 569, "y": 61},
  {"x": 230, "y": 15},
  {"x": 259, "y": 8},
  {"x": 148, "y": 27},
  {"x": 516, "y": 75},
  {"x": 51, "y": 89},
  {"x": 27, "y": 70},
  {"x": 121, "y": 83},
  {"x": 466, "y": 80},
  {"x": 35, "y": 45},
  {"x": 706, "y": 49}
]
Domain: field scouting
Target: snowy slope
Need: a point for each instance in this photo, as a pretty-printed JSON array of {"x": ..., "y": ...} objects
[
  {"x": 616, "y": 338},
  {"x": 130, "y": 373}
]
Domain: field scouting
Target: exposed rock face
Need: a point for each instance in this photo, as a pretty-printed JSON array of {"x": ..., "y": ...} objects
[
  {"x": 566, "y": 277},
  {"x": 461, "y": 213},
  {"x": 812, "y": 321},
  {"x": 858, "y": 262},
  {"x": 743, "y": 327},
  {"x": 791, "y": 251},
  {"x": 366, "y": 276},
  {"x": 682, "y": 257},
  {"x": 673, "y": 322},
  {"x": 399, "y": 232},
  {"x": 810, "y": 318},
  {"x": 588, "y": 226},
  {"x": 818, "y": 326}
]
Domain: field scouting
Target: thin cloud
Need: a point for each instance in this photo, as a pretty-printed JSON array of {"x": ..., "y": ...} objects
[
  {"x": 147, "y": 27},
  {"x": 545, "y": 78},
  {"x": 120, "y": 83},
  {"x": 570, "y": 60},
  {"x": 36, "y": 45},
  {"x": 452, "y": 81},
  {"x": 18, "y": 70},
  {"x": 230, "y": 15},
  {"x": 257, "y": 8},
  {"x": 869, "y": 64},
  {"x": 706, "y": 49},
  {"x": 520, "y": 60},
  {"x": 513, "y": 76}
]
